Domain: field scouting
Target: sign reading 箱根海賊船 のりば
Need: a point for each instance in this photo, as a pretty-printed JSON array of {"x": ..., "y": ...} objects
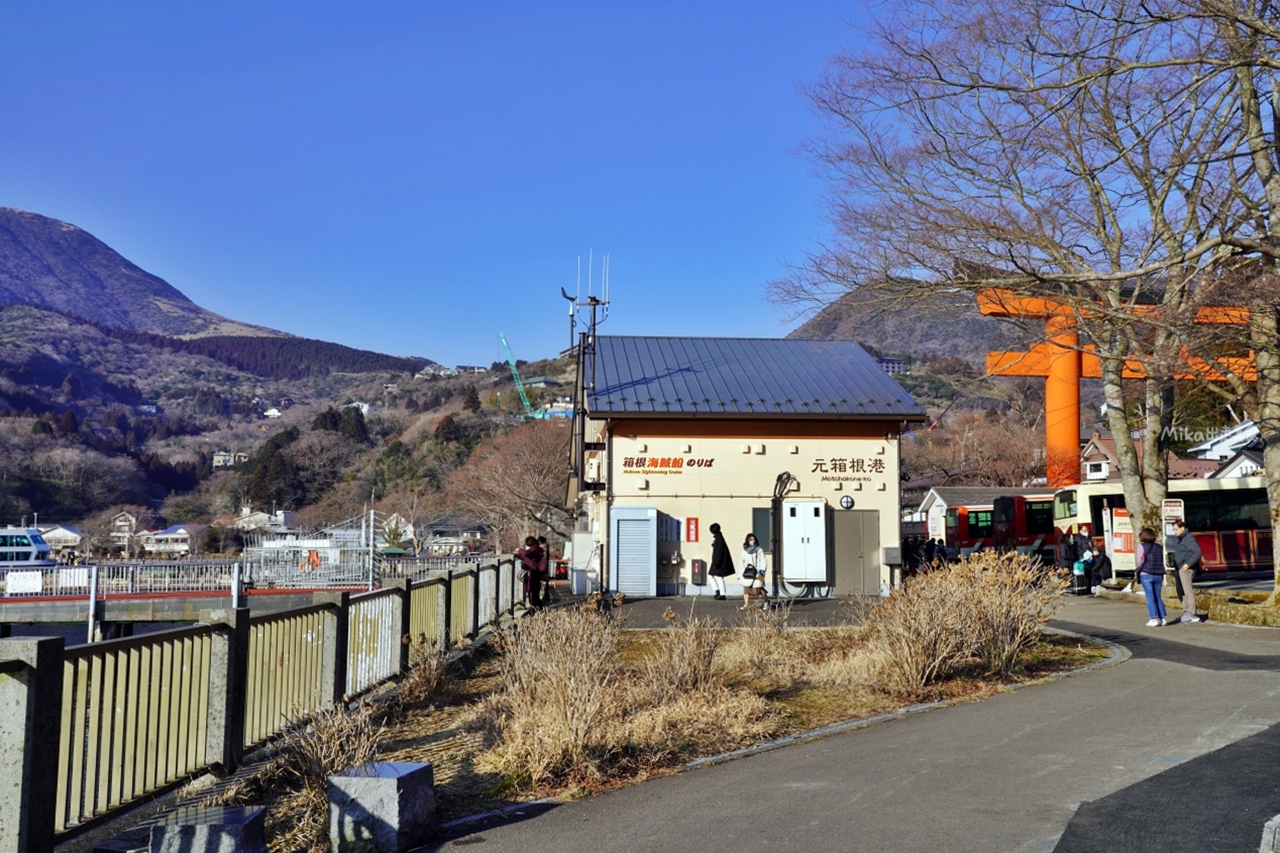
[{"x": 663, "y": 464}]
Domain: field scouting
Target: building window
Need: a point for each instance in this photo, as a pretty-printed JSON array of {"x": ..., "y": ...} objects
[{"x": 1097, "y": 470}]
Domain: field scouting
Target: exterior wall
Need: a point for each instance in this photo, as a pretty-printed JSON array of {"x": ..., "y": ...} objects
[{"x": 719, "y": 471}]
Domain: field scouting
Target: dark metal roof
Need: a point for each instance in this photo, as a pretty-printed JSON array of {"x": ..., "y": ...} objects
[
  {"x": 978, "y": 495},
  {"x": 639, "y": 376}
]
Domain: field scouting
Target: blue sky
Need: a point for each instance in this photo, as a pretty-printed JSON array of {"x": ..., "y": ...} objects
[{"x": 414, "y": 178}]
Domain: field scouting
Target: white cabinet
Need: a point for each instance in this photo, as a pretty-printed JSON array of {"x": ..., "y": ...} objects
[{"x": 804, "y": 541}]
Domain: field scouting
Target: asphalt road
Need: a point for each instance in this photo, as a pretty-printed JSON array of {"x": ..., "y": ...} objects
[{"x": 1174, "y": 749}]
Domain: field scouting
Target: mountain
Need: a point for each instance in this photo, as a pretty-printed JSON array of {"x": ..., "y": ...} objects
[
  {"x": 946, "y": 324},
  {"x": 54, "y": 264}
]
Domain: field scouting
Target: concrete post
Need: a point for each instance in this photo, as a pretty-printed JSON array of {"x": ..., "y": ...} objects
[
  {"x": 401, "y": 613},
  {"x": 228, "y": 685},
  {"x": 31, "y": 705},
  {"x": 336, "y": 625}
]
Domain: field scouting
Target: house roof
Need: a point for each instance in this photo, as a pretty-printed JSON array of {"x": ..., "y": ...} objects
[
  {"x": 972, "y": 495},
  {"x": 1179, "y": 467},
  {"x": 180, "y": 529},
  {"x": 1252, "y": 453},
  {"x": 1227, "y": 442},
  {"x": 639, "y": 376}
]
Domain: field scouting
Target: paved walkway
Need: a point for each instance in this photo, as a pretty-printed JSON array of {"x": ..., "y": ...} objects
[{"x": 1175, "y": 749}]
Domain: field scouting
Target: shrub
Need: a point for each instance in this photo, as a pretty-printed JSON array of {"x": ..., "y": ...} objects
[
  {"x": 1011, "y": 598},
  {"x": 990, "y": 606},
  {"x": 918, "y": 634}
]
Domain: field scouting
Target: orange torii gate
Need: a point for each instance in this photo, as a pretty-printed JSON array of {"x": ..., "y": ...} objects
[{"x": 1063, "y": 362}]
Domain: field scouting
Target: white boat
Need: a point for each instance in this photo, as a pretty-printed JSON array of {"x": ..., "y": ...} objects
[{"x": 24, "y": 548}]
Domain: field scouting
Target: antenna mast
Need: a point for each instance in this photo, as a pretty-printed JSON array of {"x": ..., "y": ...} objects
[{"x": 597, "y": 311}]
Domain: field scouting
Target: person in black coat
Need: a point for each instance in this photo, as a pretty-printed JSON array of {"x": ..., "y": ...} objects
[{"x": 721, "y": 562}]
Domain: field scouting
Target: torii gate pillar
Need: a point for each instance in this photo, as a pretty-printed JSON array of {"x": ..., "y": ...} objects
[{"x": 1061, "y": 363}]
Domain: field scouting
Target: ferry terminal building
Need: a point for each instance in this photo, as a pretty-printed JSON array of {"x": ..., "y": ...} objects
[{"x": 675, "y": 434}]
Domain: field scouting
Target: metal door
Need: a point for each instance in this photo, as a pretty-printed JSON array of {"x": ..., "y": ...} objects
[
  {"x": 634, "y": 550},
  {"x": 857, "y": 552}
]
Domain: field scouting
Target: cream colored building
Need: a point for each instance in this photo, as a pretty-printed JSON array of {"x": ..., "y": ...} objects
[{"x": 680, "y": 433}]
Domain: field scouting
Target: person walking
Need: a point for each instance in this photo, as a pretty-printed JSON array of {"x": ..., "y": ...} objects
[
  {"x": 1150, "y": 562},
  {"x": 753, "y": 569},
  {"x": 721, "y": 562},
  {"x": 1186, "y": 559}
]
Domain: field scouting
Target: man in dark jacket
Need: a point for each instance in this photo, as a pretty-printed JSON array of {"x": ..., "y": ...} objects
[{"x": 1184, "y": 551}]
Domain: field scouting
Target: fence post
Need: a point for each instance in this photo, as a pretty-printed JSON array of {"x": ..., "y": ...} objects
[
  {"x": 337, "y": 619},
  {"x": 475, "y": 602},
  {"x": 511, "y": 588},
  {"x": 447, "y": 621},
  {"x": 31, "y": 696},
  {"x": 228, "y": 686},
  {"x": 403, "y": 598}
]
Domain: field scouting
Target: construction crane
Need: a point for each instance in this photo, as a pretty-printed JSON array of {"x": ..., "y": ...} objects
[{"x": 515, "y": 375}]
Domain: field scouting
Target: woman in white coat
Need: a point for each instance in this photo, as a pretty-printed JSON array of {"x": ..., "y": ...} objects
[{"x": 753, "y": 566}]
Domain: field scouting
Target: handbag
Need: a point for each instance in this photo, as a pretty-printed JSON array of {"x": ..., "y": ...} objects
[{"x": 749, "y": 573}]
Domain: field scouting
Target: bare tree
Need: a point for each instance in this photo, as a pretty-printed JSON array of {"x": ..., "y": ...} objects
[
  {"x": 516, "y": 482},
  {"x": 1078, "y": 155}
]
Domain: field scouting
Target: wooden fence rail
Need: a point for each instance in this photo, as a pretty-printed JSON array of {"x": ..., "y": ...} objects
[{"x": 136, "y": 717}]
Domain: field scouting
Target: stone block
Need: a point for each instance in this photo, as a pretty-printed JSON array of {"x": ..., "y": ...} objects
[
  {"x": 211, "y": 829},
  {"x": 382, "y": 807}
]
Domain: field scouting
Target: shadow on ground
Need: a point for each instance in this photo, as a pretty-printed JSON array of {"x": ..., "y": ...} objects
[
  {"x": 1218, "y": 802},
  {"x": 1173, "y": 651}
]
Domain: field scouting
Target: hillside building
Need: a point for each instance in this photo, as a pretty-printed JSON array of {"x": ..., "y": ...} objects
[{"x": 675, "y": 434}]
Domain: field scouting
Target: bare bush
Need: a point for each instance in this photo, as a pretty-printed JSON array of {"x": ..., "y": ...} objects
[
  {"x": 919, "y": 634},
  {"x": 1011, "y": 598},
  {"x": 988, "y": 605}
]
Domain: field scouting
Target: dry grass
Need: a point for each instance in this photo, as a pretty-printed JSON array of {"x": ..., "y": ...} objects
[
  {"x": 577, "y": 711},
  {"x": 431, "y": 677},
  {"x": 559, "y": 691}
]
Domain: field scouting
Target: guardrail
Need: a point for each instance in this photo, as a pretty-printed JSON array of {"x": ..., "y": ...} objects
[
  {"x": 268, "y": 571},
  {"x": 136, "y": 717}
]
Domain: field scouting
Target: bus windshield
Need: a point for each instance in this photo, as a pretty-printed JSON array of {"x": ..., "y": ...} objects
[{"x": 1064, "y": 505}]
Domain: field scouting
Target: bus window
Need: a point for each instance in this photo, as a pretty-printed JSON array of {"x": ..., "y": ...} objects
[
  {"x": 953, "y": 519},
  {"x": 1064, "y": 505},
  {"x": 1039, "y": 517},
  {"x": 980, "y": 526},
  {"x": 1197, "y": 508}
]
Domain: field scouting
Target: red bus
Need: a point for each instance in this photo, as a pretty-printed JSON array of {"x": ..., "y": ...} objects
[
  {"x": 969, "y": 528},
  {"x": 1024, "y": 523}
]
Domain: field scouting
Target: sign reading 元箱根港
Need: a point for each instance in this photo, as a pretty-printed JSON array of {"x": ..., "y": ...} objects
[{"x": 848, "y": 469}]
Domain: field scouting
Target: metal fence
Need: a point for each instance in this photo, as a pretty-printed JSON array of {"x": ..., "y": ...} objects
[
  {"x": 265, "y": 569},
  {"x": 134, "y": 717},
  {"x": 285, "y": 670}
]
